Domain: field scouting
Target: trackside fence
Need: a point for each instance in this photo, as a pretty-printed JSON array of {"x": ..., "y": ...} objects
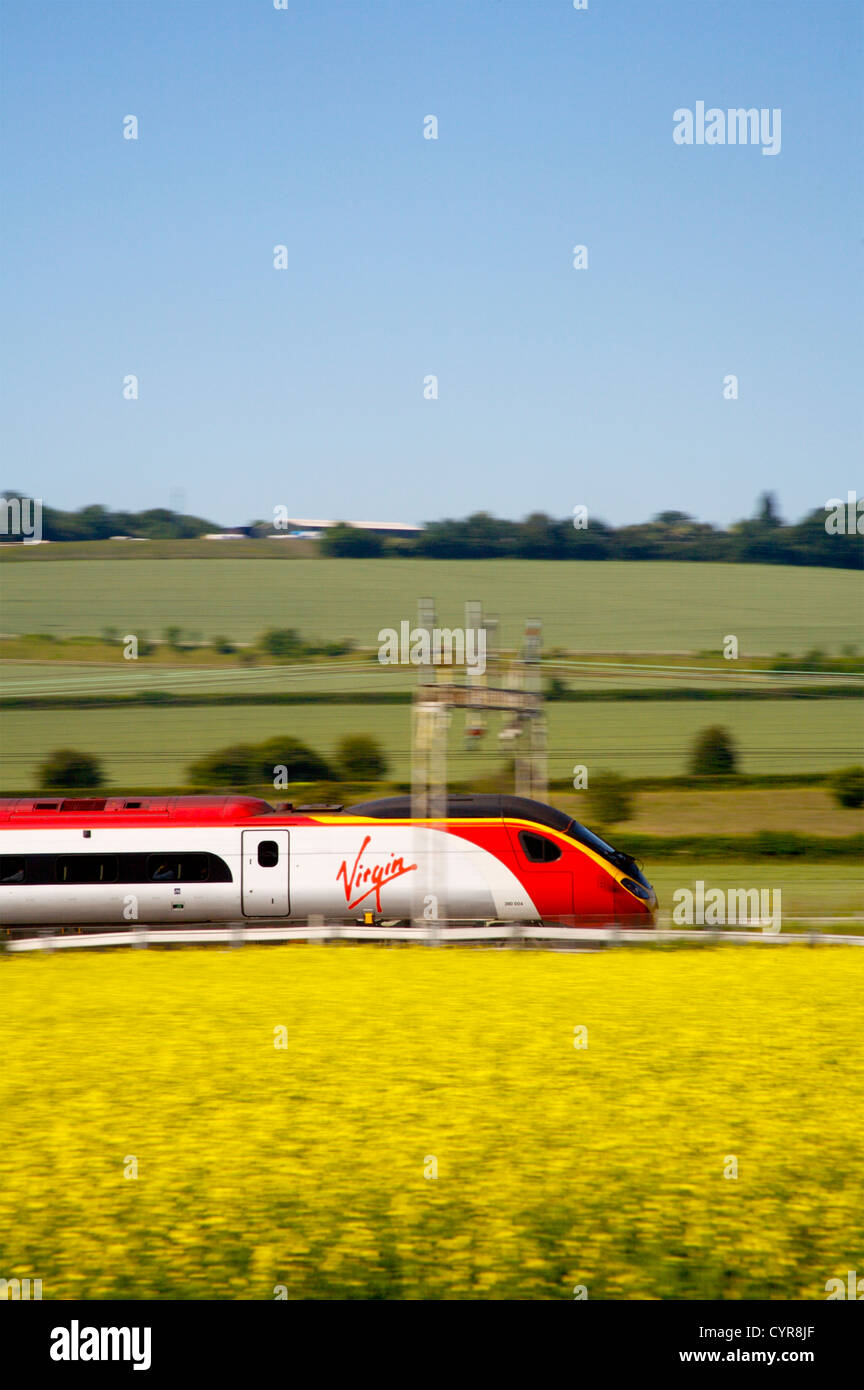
[{"x": 428, "y": 934}]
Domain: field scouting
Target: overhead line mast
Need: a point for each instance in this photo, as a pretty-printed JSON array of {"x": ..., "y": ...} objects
[{"x": 516, "y": 691}]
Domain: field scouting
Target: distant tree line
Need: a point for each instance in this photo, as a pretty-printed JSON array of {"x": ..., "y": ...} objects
[
  {"x": 671, "y": 535},
  {"x": 282, "y": 644},
  {"x": 98, "y": 523}
]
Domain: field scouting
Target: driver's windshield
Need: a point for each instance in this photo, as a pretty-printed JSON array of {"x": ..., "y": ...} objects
[{"x": 587, "y": 837}]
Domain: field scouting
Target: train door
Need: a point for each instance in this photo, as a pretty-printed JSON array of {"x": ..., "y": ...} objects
[
  {"x": 539, "y": 861},
  {"x": 265, "y": 873}
]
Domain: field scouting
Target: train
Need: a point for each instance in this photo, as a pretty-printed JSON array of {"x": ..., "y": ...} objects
[{"x": 99, "y": 861}]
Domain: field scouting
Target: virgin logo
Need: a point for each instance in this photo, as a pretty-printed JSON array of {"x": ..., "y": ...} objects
[{"x": 376, "y": 875}]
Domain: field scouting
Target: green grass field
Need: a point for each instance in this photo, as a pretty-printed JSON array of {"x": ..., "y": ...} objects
[
  {"x": 732, "y": 811},
  {"x": 80, "y": 666},
  {"x": 809, "y": 891},
  {"x": 151, "y": 747},
  {"x": 190, "y": 549},
  {"x": 119, "y": 677},
  {"x": 599, "y": 607}
]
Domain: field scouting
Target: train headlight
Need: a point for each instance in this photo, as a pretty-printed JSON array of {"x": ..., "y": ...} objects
[{"x": 638, "y": 889}]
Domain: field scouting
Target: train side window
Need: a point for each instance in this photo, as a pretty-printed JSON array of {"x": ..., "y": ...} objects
[
  {"x": 87, "y": 868},
  {"x": 11, "y": 868},
  {"x": 182, "y": 868},
  {"x": 218, "y": 870},
  {"x": 268, "y": 854},
  {"x": 194, "y": 868},
  {"x": 162, "y": 868},
  {"x": 40, "y": 868},
  {"x": 538, "y": 849},
  {"x": 112, "y": 868}
]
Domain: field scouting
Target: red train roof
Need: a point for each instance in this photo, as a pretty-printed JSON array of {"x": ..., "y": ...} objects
[{"x": 92, "y": 809}]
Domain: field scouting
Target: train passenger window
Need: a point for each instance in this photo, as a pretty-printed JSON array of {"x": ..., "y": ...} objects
[
  {"x": 40, "y": 868},
  {"x": 87, "y": 868},
  {"x": 114, "y": 868},
  {"x": 11, "y": 868},
  {"x": 268, "y": 854},
  {"x": 161, "y": 870},
  {"x": 178, "y": 868},
  {"x": 538, "y": 849},
  {"x": 194, "y": 868}
]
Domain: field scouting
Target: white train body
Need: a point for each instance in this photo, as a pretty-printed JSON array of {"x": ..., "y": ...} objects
[
  {"x": 398, "y": 871},
  {"x": 103, "y": 862}
]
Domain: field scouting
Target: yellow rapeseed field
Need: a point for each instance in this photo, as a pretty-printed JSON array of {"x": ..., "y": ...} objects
[{"x": 309, "y": 1169}]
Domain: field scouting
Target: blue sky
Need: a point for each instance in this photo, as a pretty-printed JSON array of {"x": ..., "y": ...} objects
[{"x": 408, "y": 257}]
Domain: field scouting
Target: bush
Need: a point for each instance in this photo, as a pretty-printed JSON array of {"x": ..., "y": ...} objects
[
  {"x": 348, "y": 540},
  {"x": 283, "y": 643},
  {"x": 251, "y": 763},
  {"x": 556, "y": 689},
  {"x": 609, "y": 797},
  {"x": 714, "y": 754},
  {"x": 237, "y": 765},
  {"x": 67, "y": 767},
  {"x": 224, "y": 645},
  {"x": 361, "y": 758},
  {"x": 302, "y": 764},
  {"x": 847, "y": 786},
  {"x": 318, "y": 647}
]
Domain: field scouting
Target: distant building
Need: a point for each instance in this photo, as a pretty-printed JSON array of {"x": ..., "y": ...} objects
[
  {"x": 293, "y": 535},
  {"x": 381, "y": 528}
]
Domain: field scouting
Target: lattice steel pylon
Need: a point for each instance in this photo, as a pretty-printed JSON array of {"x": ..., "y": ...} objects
[
  {"x": 430, "y": 720},
  {"x": 429, "y": 733},
  {"x": 531, "y": 768},
  {"x": 433, "y": 701}
]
